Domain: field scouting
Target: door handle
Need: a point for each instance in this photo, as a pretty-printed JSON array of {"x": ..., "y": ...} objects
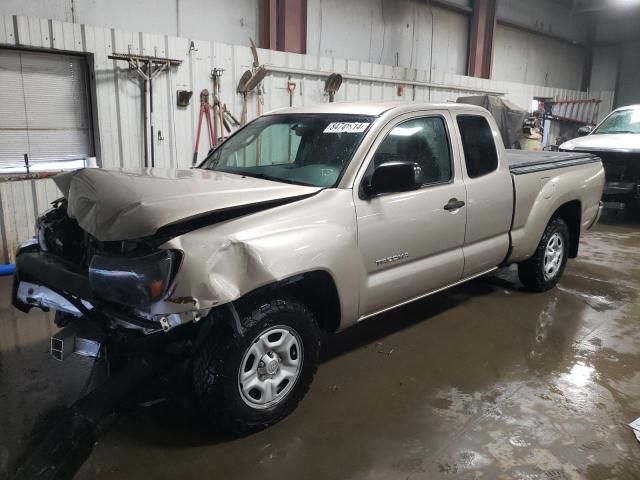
[{"x": 454, "y": 204}]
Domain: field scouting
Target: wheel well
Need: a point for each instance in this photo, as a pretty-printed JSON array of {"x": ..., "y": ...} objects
[
  {"x": 315, "y": 289},
  {"x": 571, "y": 213},
  {"x": 318, "y": 291}
]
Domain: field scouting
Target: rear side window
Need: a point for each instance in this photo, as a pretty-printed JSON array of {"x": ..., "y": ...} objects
[{"x": 479, "y": 146}]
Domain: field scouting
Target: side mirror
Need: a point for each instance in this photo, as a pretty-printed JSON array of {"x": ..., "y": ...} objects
[
  {"x": 391, "y": 177},
  {"x": 585, "y": 130}
]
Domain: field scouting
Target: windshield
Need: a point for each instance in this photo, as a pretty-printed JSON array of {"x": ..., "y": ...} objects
[
  {"x": 302, "y": 149},
  {"x": 622, "y": 121}
]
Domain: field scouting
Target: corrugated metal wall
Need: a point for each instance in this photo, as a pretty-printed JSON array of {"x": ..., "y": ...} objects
[{"x": 119, "y": 102}]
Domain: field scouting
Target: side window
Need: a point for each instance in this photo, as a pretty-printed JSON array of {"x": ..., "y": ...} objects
[
  {"x": 423, "y": 141},
  {"x": 479, "y": 146}
]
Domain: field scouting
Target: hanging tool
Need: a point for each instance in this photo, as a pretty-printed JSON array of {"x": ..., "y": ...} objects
[
  {"x": 228, "y": 120},
  {"x": 259, "y": 100},
  {"x": 229, "y": 116},
  {"x": 205, "y": 110},
  {"x": 256, "y": 77},
  {"x": 242, "y": 90},
  {"x": 220, "y": 110},
  {"x": 254, "y": 54},
  {"x": 218, "y": 116},
  {"x": 148, "y": 68},
  {"x": 332, "y": 85},
  {"x": 256, "y": 68},
  {"x": 249, "y": 81},
  {"x": 291, "y": 87},
  {"x": 213, "y": 113}
]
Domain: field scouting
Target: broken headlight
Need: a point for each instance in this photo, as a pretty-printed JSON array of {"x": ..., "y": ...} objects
[{"x": 133, "y": 281}]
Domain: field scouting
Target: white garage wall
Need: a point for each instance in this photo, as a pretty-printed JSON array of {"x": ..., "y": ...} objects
[
  {"x": 604, "y": 72},
  {"x": 119, "y": 102},
  {"x": 628, "y": 91},
  {"x": 377, "y": 31},
  {"x": 204, "y": 19},
  {"x": 524, "y": 57},
  {"x": 546, "y": 16}
]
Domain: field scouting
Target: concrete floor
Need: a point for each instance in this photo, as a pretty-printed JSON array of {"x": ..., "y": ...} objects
[{"x": 483, "y": 381}]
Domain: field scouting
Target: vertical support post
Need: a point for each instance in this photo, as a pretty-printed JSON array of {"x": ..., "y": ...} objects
[
  {"x": 292, "y": 28},
  {"x": 146, "y": 121},
  {"x": 483, "y": 25},
  {"x": 283, "y": 25},
  {"x": 151, "y": 130},
  {"x": 268, "y": 24}
]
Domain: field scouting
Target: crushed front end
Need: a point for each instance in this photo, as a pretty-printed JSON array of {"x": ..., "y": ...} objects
[{"x": 115, "y": 287}]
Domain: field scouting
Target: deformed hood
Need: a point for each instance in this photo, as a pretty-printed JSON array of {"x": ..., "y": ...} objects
[
  {"x": 129, "y": 204},
  {"x": 612, "y": 142}
]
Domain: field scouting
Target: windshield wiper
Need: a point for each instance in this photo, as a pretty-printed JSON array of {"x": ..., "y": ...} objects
[
  {"x": 264, "y": 176},
  {"x": 620, "y": 131}
]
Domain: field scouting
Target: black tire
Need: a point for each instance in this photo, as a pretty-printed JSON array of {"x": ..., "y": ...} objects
[
  {"x": 216, "y": 365},
  {"x": 531, "y": 271}
]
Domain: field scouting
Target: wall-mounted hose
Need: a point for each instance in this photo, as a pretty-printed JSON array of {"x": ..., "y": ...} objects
[{"x": 7, "y": 269}]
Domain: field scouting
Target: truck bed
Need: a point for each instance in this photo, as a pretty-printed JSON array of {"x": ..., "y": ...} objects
[{"x": 523, "y": 161}]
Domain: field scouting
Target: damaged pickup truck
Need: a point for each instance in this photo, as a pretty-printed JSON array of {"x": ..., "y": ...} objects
[
  {"x": 616, "y": 140},
  {"x": 302, "y": 223}
]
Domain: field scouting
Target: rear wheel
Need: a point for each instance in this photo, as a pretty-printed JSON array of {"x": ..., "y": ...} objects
[
  {"x": 545, "y": 267},
  {"x": 246, "y": 382}
]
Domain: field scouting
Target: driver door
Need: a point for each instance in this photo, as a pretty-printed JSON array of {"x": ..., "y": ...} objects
[{"x": 411, "y": 242}]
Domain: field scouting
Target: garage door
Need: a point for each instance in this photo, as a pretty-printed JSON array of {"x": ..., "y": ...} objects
[{"x": 44, "y": 112}]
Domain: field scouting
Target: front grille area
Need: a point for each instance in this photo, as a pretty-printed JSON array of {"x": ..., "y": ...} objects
[
  {"x": 620, "y": 166},
  {"x": 61, "y": 235}
]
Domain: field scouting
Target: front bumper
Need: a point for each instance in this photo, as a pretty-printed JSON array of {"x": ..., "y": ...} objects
[
  {"x": 621, "y": 191},
  {"x": 48, "y": 282}
]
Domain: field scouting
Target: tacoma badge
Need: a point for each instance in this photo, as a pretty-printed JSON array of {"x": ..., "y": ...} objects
[{"x": 392, "y": 258}]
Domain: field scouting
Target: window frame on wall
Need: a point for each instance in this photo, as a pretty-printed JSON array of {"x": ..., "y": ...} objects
[{"x": 56, "y": 166}]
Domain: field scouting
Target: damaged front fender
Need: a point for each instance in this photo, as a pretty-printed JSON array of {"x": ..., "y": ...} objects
[{"x": 224, "y": 262}]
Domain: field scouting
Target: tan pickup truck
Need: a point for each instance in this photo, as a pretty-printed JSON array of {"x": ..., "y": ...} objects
[{"x": 305, "y": 221}]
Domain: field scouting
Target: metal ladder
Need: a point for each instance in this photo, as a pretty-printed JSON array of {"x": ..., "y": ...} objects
[{"x": 579, "y": 111}]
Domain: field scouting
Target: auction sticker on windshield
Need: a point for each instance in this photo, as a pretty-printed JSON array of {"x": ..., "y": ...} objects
[{"x": 346, "y": 127}]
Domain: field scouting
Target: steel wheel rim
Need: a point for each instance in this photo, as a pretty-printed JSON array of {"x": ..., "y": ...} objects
[
  {"x": 553, "y": 256},
  {"x": 270, "y": 367}
]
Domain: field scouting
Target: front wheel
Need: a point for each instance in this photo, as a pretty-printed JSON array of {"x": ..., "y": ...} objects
[
  {"x": 247, "y": 381},
  {"x": 543, "y": 270}
]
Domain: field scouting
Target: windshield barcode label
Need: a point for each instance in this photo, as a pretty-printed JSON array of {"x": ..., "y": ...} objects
[{"x": 346, "y": 127}]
